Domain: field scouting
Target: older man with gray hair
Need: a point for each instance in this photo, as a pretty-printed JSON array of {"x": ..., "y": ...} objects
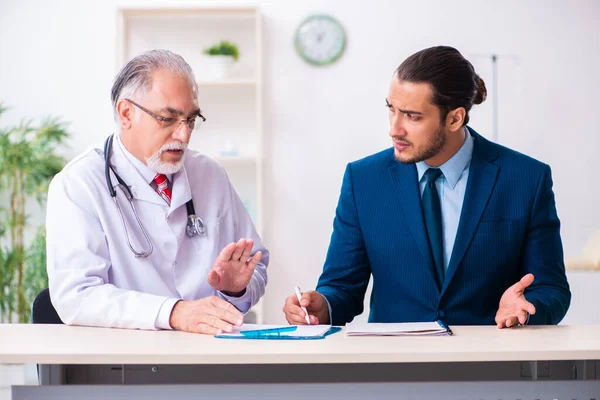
[{"x": 144, "y": 233}]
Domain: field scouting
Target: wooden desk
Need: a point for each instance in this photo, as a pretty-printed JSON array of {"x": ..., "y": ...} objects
[{"x": 120, "y": 360}]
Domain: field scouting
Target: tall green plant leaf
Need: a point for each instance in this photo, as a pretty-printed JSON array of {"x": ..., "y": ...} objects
[{"x": 28, "y": 161}]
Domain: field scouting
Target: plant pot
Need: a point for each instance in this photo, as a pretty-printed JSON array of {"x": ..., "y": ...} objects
[{"x": 219, "y": 67}]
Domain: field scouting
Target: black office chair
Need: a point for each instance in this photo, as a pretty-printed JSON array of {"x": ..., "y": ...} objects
[{"x": 42, "y": 311}]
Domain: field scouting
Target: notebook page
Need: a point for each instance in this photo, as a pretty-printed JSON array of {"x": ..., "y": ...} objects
[{"x": 394, "y": 329}]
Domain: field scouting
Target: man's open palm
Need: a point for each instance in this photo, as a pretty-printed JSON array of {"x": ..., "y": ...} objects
[
  {"x": 233, "y": 268},
  {"x": 513, "y": 306}
]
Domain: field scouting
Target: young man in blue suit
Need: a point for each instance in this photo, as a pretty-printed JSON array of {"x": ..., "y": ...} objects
[{"x": 450, "y": 225}]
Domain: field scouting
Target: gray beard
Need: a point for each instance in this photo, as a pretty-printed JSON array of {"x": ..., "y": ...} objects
[{"x": 157, "y": 165}]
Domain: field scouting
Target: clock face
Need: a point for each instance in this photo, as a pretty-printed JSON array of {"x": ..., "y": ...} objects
[{"x": 320, "y": 40}]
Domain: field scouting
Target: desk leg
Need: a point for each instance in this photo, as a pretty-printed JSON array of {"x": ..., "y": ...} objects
[
  {"x": 51, "y": 374},
  {"x": 534, "y": 370},
  {"x": 586, "y": 370}
]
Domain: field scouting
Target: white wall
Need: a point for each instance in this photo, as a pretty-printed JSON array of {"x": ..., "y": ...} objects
[{"x": 59, "y": 58}]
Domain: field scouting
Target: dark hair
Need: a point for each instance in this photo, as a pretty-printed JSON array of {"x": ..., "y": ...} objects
[{"x": 452, "y": 78}]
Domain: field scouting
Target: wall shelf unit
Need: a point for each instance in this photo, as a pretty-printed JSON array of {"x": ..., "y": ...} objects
[{"x": 232, "y": 133}]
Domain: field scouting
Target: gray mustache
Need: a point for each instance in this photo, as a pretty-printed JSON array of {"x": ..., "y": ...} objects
[{"x": 174, "y": 146}]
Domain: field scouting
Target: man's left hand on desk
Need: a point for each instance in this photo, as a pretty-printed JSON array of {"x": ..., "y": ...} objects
[
  {"x": 233, "y": 268},
  {"x": 514, "y": 308}
]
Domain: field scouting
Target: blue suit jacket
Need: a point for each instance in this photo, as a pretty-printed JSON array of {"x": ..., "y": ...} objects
[{"x": 508, "y": 228}]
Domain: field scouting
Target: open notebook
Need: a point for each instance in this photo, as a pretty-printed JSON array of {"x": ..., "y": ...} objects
[
  {"x": 436, "y": 328},
  {"x": 281, "y": 332}
]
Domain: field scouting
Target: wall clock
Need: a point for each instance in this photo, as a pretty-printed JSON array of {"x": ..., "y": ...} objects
[{"x": 320, "y": 40}]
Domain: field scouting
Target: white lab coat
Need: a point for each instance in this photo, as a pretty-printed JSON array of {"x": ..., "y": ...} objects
[{"x": 96, "y": 280}]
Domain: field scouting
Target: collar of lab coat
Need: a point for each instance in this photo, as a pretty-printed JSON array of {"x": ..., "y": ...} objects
[{"x": 141, "y": 190}]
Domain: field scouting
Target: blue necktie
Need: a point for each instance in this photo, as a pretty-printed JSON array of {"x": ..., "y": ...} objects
[{"x": 432, "y": 211}]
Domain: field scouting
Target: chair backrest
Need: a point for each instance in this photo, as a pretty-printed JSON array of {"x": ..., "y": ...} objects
[{"x": 43, "y": 311}]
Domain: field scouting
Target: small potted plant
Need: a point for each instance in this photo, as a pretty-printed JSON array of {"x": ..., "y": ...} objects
[{"x": 222, "y": 55}]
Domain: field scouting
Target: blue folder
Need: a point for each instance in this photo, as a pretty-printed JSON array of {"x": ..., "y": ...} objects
[{"x": 277, "y": 334}]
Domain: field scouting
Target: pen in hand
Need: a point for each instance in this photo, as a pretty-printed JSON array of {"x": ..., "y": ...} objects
[{"x": 299, "y": 296}]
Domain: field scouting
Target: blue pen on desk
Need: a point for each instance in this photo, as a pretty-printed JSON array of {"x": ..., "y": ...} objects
[
  {"x": 299, "y": 296},
  {"x": 268, "y": 332},
  {"x": 444, "y": 326}
]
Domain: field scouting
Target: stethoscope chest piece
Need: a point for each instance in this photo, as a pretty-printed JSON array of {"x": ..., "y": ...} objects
[{"x": 195, "y": 225}]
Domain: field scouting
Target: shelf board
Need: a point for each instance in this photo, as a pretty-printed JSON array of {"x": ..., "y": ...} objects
[
  {"x": 186, "y": 11},
  {"x": 228, "y": 160},
  {"x": 228, "y": 82}
]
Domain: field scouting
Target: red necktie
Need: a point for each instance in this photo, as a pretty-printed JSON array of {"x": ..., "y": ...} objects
[{"x": 163, "y": 187}]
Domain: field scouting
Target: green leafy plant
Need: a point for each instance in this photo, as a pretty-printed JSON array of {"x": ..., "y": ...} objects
[
  {"x": 28, "y": 162},
  {"x": 223, "y": 48}
]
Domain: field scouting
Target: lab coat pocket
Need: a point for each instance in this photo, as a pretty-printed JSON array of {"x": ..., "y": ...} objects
[{"x": 211, "y": 241}]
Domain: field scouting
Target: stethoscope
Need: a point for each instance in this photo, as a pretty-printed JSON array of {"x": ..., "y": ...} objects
[{"x": 194, "y": 226}]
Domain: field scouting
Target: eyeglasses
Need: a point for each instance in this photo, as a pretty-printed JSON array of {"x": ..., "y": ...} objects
[{"x": 166, "y": 122}]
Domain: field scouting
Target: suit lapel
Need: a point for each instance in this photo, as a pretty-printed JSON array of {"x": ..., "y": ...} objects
[
  {"x": 482, "y": 178},
  {"x": 405, "y": 184}
]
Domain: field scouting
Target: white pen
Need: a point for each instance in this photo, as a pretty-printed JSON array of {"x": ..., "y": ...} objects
[{"x": 299, "y": 296}]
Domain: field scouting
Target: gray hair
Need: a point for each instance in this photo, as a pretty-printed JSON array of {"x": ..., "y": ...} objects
[{"x": 135, "y": 78}]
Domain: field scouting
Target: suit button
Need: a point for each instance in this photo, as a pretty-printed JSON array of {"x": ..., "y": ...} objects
[{"x": 441, "y": 314}]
